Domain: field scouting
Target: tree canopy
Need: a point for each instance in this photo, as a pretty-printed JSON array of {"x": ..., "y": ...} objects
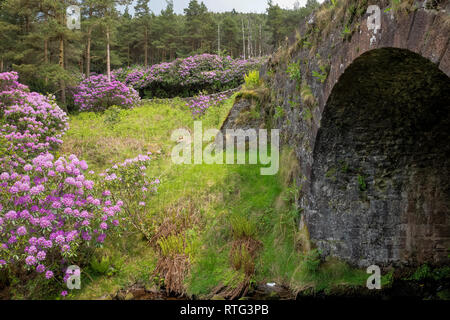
[{"x": 35, "y": 40}]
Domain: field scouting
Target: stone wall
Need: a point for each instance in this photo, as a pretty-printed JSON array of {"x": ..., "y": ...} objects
[
  {"x": 380, "y": 180},
  {"x": 372, "y": 138}
]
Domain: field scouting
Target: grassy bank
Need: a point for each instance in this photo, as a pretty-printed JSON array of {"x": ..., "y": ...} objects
[{"x": 216, "y": 230}]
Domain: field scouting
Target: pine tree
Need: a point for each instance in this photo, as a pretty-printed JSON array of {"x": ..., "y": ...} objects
[
  {"x": 169, "y": 31},
  {"x": 108, "y": 15},
  {"x": 199, "y": 27},
  {"x": 230, "y": 33},
  {"x": 8, "y": 32},
  {"x": 144, "y": 18},
  {"x": 125, "y": 30},
  {"x": 275, "y": 23}
]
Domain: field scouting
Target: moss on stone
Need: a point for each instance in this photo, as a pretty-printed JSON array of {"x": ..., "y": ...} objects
[{"x": 331, "y": 174}]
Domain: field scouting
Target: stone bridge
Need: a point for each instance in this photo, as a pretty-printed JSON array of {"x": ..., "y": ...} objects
[{"x": 367, "y": 113}]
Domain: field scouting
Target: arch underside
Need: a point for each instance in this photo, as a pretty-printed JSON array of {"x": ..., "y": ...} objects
[{"x": 380, "y": 186}]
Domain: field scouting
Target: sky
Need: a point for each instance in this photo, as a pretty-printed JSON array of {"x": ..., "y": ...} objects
[{"x": 224, "y": 5}]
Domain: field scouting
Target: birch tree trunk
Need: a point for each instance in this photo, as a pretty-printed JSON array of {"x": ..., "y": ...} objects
[
  {"x": 88, "y": 52},
  {"x": 260, "y": 40},
  {"x": 218, "y": 39},
  {"x": 62, "y": 83},
  {"x": 146, "y": 47},
  {"x": 243, "y": 38},
  {"x": 249, "y": 44}
]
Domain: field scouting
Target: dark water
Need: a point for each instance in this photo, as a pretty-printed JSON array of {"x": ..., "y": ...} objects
[
  {"x": 411, "y": 290},
  {"x": 261, "y": 292}
]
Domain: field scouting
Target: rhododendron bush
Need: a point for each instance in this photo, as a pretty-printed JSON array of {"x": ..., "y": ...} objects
[
  {"x": 53, "y": 213},
  {"x": 129, "y": 180},
  {"x": 187, "y": 77},
  {"x": 200, "y": 104},
  {"x": 50, "y": 213},
  {"x": 30, "y": 123},
  {"x": 97, "y": 94}
]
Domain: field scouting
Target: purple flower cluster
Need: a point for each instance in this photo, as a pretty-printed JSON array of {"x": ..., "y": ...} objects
[
  {"x": 202, "y": 103},
  {"x": 51, "y": 212},
  {"x": 200, "y": 70},
  {"x": 32, "y": 124},
  {"x": 97, "y": 94}
]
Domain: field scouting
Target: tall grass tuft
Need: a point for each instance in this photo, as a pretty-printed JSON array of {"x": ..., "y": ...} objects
[{"x": 242, "y": 227}]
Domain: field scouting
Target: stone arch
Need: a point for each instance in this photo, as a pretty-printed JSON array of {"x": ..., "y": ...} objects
[
  {"x": 379, "y": 183},
  {"x": 410, "y": 44}
]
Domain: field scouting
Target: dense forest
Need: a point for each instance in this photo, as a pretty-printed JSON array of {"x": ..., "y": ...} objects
[{"x": 35, "y": 40}]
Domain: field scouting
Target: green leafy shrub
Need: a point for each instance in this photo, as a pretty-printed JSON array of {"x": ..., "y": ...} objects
[
  {"x": 112, "y": 116},
  {"x": 279, "y": 113},
  {"x": 322, "y": 75},
  {"x": 106, "y": 265},
  {"x": 129, "y": 181},
  {"x": 426, "y": 272},
  {"x": 346, "y": 33},
  {"x": 294, "y": 71},
  {"x": 252, "y": 80},
  {"x": 311, "y": 261},
  {"x": 100, "y": 266}
]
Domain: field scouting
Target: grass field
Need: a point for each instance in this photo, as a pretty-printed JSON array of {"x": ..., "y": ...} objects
[{"x": 216, "y": 230}]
